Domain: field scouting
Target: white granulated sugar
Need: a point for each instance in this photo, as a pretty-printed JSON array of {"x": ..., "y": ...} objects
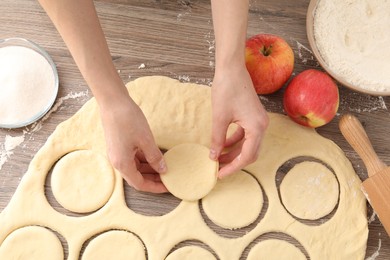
[
  {"x": 353, "y": 37},
  {"x": 27, "y": 85}
]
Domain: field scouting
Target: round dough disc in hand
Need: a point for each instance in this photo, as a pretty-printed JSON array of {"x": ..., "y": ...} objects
[{"x": 191, "y": 174}]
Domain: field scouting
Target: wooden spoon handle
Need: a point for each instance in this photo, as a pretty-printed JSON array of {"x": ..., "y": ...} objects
[{"x": 356, "y": 136}]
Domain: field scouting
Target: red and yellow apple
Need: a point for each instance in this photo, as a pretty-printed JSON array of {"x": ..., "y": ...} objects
[
  {"x": 270, "y": 62},
  {"x": 311, "y": 98}
]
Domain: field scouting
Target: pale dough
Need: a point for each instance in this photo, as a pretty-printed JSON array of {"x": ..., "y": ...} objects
[
  {"x": 82, "y": 181},
  {"x": 31, "y": 242},
  {"x": 191, "y": 174},
  {"x": 273, "y": 249},
  {"x": 190, "y": 253},
  {"x": 309, "y": 190},
  {"x": 181, "y": 113},
  {"x": 115, "y": 244},
  {"x": 235, "y": 202}
]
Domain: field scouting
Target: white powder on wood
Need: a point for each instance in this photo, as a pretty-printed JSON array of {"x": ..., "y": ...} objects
[
  {"x": 10, "y": 143},
  {"x": 26, "y": 85},
  {"x": 353, "y": 37}
]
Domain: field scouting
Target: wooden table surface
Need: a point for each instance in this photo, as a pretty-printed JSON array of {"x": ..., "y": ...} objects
[{"x": 175, "y": 38}]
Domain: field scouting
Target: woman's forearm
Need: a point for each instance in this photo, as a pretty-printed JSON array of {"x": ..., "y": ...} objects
[
  {"x": 79, "y": 26},
  {"x": 230, "y": 19}
]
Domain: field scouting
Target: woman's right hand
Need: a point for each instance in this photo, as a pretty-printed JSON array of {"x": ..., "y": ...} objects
[{"x": 131, "y": 147}]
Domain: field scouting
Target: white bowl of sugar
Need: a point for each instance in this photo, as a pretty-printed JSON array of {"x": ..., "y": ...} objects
[{"x": 28, "y": 82}]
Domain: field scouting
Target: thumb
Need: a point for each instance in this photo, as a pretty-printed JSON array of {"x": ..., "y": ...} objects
[
  {"x": 154, "y": 156},
  {"x": 218, "y": 138}
]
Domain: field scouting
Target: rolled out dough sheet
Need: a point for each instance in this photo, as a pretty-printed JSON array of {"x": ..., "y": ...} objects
[{"x": 181, "y": 113}]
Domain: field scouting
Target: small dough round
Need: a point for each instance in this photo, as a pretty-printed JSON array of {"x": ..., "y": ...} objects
[
  {"x": 191, "y": 253},
  {"x": 191, "y": 174},
  {"x": 224, "y": 204},
  {"x": 31, "y": 243},
  {"x": 309, "y": 190},
  {"x": 82, "y": 181},
  {"x": 115, "y": 244},
  {"x": 273, "y": 249}
]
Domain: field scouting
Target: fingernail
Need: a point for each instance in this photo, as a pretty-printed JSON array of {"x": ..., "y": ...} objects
[
  {"x": 213, "y": 155},
  {"x": 162, "y": 167}
]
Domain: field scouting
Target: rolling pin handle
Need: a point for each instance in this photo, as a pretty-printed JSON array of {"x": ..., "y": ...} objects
[{"x": 357, "y": 137}]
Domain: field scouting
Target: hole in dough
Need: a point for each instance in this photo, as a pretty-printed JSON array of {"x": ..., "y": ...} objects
[
  {"x": 82, "y": 181},
  {"x": 32, "y": 242},
  {"x": 114, "y": 244},
  {"x": 239, "y": 232},
  {"x": 224, "y": 204},
  {"x": 191, "y": 173},
  {"x": 274, "y": 249},
  {"x": 149, "y": 204},
  {"x": 275, "y": 245},
  {"x": 191, "y": 250},
  {"x": 308, "y": 190}
]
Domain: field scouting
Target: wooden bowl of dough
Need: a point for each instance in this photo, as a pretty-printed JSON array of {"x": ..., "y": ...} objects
[{"x": 310, "y": 29}]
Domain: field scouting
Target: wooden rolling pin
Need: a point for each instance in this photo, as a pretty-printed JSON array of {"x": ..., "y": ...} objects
[{"x": 377, "y": 186}]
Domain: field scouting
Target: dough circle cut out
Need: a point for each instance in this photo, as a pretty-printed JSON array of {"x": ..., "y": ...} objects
[
  {"x": 309, "y": 190},
  {"x": 274, "y": 249},
  {"x": 190, "y": 252},
  {"x": 31, "y": 242},
  {"x": 191, "y": 173},
  {"x": 115, "y": 244},
  {"x": 235, "y": 202},
  {"x": 82, "y": 181}
]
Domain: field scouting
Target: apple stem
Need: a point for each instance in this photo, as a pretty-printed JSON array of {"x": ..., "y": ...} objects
[{"x": 266, "y": 51}]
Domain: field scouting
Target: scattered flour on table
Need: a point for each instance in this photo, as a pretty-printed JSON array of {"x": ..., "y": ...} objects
[
  {"x": 353, "y": 39},
  {"x": 11, "y": 142},
  {"x": 211, "y": 43},
  {"x": 185, "y": 78},
  {"x": 305, "y": 54},
  {"x": 376, "y": 253},
  {"x": 372, "y": 218},
  {"x": 27, "y": 84},
  {"x": 6, "y": 149},
  {"x": 38, "y": 125}
]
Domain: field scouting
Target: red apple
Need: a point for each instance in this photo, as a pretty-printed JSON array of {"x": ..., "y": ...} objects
[
  {"x": 270, "y": 62},
  {"x": 311, "y": 98}
]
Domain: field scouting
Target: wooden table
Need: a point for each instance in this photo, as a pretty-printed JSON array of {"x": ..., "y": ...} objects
[{"x": 175, "y": 39}]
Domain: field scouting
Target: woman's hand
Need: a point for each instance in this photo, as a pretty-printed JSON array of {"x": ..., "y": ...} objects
[
  {"x": 131, "y": 147},
  {"x": 234, "y": 100}
]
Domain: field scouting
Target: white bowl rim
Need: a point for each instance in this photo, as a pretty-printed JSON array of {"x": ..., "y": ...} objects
[
  {"x": 310, "y": 35},
  {"x": 23, "y": 42}
]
